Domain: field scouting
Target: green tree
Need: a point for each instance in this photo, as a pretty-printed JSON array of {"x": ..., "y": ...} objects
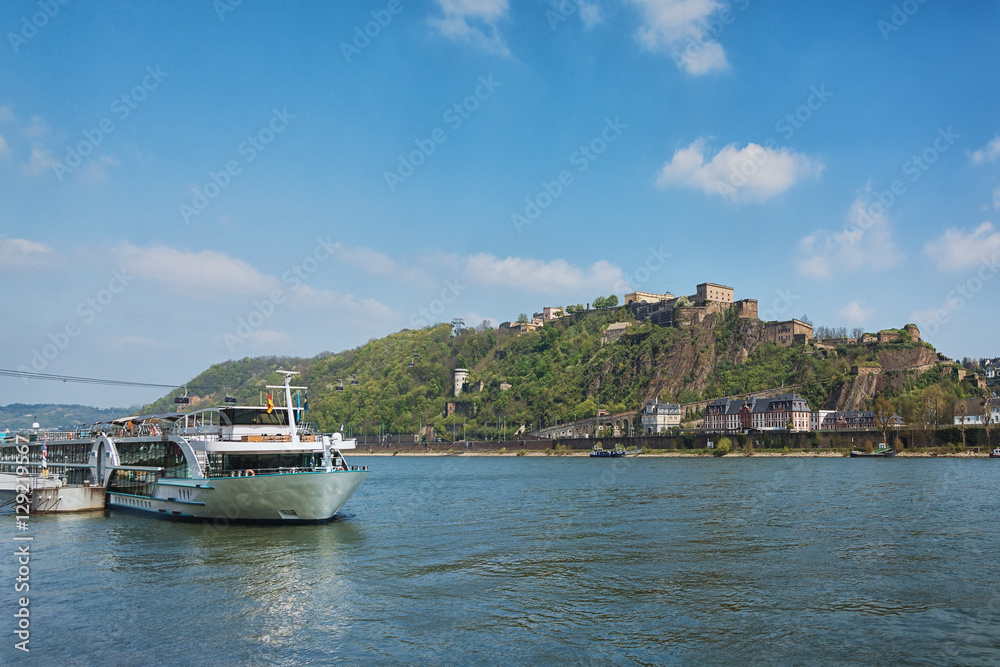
[
  {"x": 606, "y": 301},
  {"x": 522, "y": 318},
  {"x": 586, "y": 409}
]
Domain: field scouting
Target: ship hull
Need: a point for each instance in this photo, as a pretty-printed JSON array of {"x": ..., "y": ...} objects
[{"x": 308, "y": 497}]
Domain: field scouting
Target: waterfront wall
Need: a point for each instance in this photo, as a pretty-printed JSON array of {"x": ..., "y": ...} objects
[{"x": 907, "y": 439}]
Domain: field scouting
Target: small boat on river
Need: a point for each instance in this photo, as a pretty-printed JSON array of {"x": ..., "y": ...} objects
[
  {"x": 995, "y": 454},
  {"x": 617, "y": 452},
  {"x": 881, "y": 452}
]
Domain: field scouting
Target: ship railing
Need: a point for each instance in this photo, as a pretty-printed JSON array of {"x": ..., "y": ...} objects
[
  {"x": 40, "y": 436},
  {"x": 264, "y": 438},
  {"x": 61, "y": 435},
  {"x": 278, "y": 471}
]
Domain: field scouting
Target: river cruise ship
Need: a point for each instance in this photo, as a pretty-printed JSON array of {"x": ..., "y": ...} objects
[{"x": 241, "y": 464}]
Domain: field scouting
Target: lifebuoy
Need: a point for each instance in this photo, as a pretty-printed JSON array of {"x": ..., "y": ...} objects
[{"x": 250, "y": 473}]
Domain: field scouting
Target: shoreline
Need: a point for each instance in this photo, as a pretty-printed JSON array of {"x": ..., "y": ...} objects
[{"x": 673, "y": 454}]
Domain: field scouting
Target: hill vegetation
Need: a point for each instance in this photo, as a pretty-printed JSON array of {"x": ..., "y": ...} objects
[
  {"x": 19, "y": 416},
  {"x": 403, "y": 382}
]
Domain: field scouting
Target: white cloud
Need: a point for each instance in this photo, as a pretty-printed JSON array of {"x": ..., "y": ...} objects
[
  {"x": 6, "y": 115},
  {"x": 928, "y": 321},
  {"x": 957, "y": 249},
  {"x": 590, "y": 14},
  {"x": 856, "y": 312},
  {"x": 681, "y": 27},
  {"x": 866, "y": 241},
  {"x": 96, "y": 170},
  {"x": 988, "y": 153},
  {"x": 376, "y": 263},
  {"x": 41, "y": 161},
  {"x": 475, "y": 22},
  {"x": 556, "y": 277},
  {"x": 205, "y": 274},
  {"x": 307, "y": 297},
  {"x": 37, "y": 128},
  {"x": 4, "y": 148},
  {"x": 19, "y": 254},
  {"x": 753, "y": 173}
]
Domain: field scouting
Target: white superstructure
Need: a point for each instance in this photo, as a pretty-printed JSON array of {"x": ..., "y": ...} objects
[{"x": 227, "y": 464}]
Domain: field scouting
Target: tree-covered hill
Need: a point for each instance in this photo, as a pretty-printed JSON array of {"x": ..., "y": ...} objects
[
  {"x": 561, "y": 371},
  {"x": 18, "y": 416}
]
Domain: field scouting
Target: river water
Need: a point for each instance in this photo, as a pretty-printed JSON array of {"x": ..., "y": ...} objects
[{"x": 475, "y": 560}]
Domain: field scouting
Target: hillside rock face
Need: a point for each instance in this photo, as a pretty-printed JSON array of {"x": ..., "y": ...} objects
[
  {"x": 688, "y": 364},
  {"x": 908, "y": 358},
  {"x": 853, "y": 396},
  {"x": 896, "y": 365}
]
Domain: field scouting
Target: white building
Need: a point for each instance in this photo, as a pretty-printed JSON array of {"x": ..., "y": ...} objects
[
  {"x": 974, "y": 411},
  {"x": 659, "y": 417},
  {"x": 461, "y": 374},
  {"x": 816, "y": 419}
]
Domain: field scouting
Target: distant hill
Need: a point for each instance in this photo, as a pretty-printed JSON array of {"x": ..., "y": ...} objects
[
  {"x": 562, "y": 371},
  {"x": 17, "y": 416}
]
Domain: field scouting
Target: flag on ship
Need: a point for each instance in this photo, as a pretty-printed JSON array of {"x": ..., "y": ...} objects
[
  {"x": 305, "y": 403},
  {"x": 270, "y": 403},
  {"x": 45, "y": 449}
]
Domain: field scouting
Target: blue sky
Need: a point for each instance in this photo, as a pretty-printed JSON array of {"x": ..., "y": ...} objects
[{"x": 185, "y": 183}]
